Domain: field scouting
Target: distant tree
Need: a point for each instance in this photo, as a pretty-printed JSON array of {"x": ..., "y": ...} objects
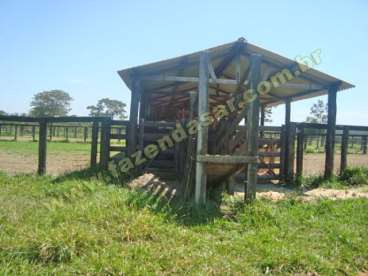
[
  {"x": 3, "y": 113},
  {"x": 318, "y": 113},
  {"x": 51, "y": 103},
  {"x": 108, "y": 107}
]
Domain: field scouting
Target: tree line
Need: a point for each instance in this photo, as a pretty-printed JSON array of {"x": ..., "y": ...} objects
[{"x": 56, "y": 103}]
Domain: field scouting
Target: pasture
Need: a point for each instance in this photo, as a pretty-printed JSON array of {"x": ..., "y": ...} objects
[{"x": 77, "y": 224}]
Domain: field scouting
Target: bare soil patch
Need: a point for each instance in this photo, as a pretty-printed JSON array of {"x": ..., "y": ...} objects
[{"x": 57, "y": 164}]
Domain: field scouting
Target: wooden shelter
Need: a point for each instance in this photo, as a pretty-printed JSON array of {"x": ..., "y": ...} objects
[{"x": 186, "y": 87}]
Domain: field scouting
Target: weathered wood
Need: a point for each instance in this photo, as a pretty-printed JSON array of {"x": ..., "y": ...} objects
[
  {"x": 300, "y": 153},
  {"x": 364, "y": 144},
  {"x": 331, "y": 129},
  {"x": 287, "y": 149},
  {"x": 94, "y": 144},
  {"x": 85, "y": 134},
  {"x": 344, "y": 149},
  {"x": 66, "y": 133},
  {"x": 33, "y": 133},
  {"x": 227, "y": 159},
  {"x": 253, "y": 127},
  {"x": 15, "y": 133},
  {"x": 42, "y": 147},
  {"x": 133, "y": 118},
  {"x": 189, "y": 79},
  {"x": 190, "y": 158},
  {"x": 105, "y": 143},
  {"x": 202, "y": 132}
]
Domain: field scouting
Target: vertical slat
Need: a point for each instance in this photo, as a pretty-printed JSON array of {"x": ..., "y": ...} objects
[
  {"x": 253, "y": 127},
  {"x": 85, "y": 134},
  {"x": 344, "y": 149},
  {"x": 202, "y": 133},
  {"x": 133, "y": 117},
  {"x": 94, "y": 143},
  {"x": 300, "y": 153},
  {"x": 42, "y": 147},
  {"x": 331, "y": 129},
  {"x": 66, "y": 131}
]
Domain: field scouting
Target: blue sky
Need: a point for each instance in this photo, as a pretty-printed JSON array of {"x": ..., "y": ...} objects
[{"x": 78, "y": 46}]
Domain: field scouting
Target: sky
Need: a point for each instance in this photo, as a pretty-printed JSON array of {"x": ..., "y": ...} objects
[{"x": 77, "y": 46}]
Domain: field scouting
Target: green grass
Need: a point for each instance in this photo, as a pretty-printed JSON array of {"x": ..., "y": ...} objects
[
  {"x": 78, "y": 224},
  {"x": 350, "y": 177},
  {"x": 26, "y": 147}
]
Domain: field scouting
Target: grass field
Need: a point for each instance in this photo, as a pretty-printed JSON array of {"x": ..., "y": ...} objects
[{"x": 81, "y": 225}]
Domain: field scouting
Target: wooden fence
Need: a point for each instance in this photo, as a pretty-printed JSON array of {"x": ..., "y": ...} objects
[
  {"x": 300, "y": 133},
  {"x": 46, "y": 125}
]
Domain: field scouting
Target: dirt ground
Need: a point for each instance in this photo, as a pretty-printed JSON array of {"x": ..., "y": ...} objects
[
  {"x": 314, "y": 164},
  {"x": 57, "y": 164}
]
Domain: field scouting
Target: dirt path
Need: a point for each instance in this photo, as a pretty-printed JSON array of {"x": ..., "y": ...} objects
[{"x": 56, "y": 163}]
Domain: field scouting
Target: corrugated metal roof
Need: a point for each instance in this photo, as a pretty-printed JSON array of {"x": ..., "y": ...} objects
[{"x": 308, "y": 84}]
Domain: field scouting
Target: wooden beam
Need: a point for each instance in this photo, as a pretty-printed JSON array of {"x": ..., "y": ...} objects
[
  {"x": 252, "y": 127},
  {"x": 331, "y": 129},
  {"x": 202, "y": 132},
  {"x": 226, "y": 159},
  {"x": 188, "y": 79}
]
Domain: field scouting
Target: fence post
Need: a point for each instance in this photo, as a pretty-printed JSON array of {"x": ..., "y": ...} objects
[
  {"x": 105, "y": 143},
  {"x": 34, "y": 133},
  {"x": 364, "y": 146},
  {"x": 300, "y": 153},
  {"x": 42, "y": 147},
  {"x": 344, "y": 149},
  {"x": 85, "y": 135},
  {"x": 94, "y": 143},
  {"x": 66, "y": 130},
  {"x": 15, "y": 132}
]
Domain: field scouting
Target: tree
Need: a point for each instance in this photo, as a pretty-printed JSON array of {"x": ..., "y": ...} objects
[
  {"x": 3, "y": 113},
  {"x": 50, "y": 103},
  {"x": 318, "y": 113},
  {"x": 108, "y": 107}
]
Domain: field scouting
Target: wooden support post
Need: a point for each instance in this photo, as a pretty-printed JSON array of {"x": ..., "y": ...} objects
[
  {"x": 105, "y": 143},
  {"x": 287, "y": 165},
  {"x": 50, "y": 132},
  {"x": 94, "y": 143},
  {"x": 42, "y": 147},
  {"x": 190, "y": 164},
  {"x": 34, "y": 133},
  {"x": 85, "y": 134},
  {"x": 252, "y": 127},
  {"x": 21, "y": 131},
  {"x": 133, "y": 117},
  {"x": 300, "y": 153},
  {"x": 331, "y": 129},
  {"x": 15, "y": 133},
  {"x": 66, "y": 132},
  {"x": 344, "y": 149},
  {"x": 364, "y": 144},
  {"x": 202, "y": 132}
]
